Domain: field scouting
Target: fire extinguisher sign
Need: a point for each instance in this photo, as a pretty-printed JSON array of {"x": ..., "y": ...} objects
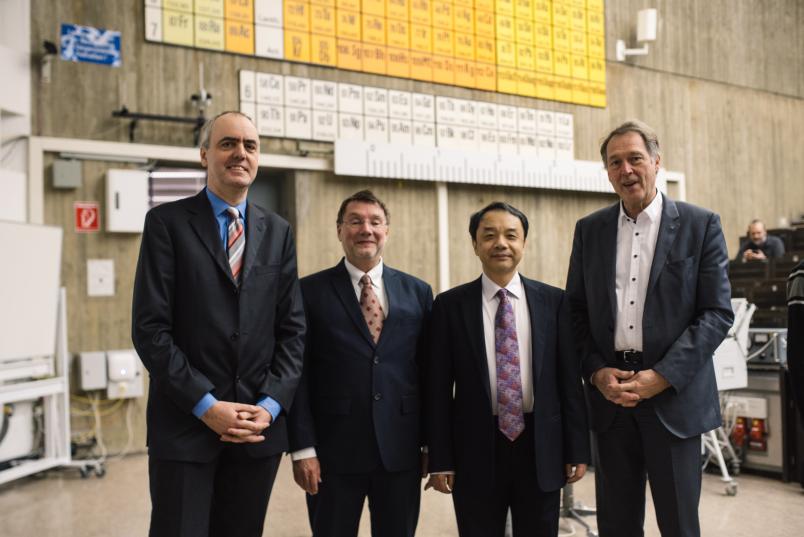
[{"x": 87, "y": 216}]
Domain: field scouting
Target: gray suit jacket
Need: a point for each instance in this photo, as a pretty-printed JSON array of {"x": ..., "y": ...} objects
[{"x": 687, "y": 311}]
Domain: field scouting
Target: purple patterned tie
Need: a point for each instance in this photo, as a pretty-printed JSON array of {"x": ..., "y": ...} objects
[{"x": 509, "y": 383}]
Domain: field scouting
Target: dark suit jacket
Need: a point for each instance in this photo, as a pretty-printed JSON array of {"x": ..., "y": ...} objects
[
  {"x": 461, "y": 427},
  {"x": 687, "y": 311},
  {"x": 196, "y": 331},
  {"x": 359, "y": 402}
]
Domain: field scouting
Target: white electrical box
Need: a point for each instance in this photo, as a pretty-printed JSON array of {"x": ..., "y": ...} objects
[
  {"x": 125, "y": 374},
  {"x": 92, "y": 371},
  {"x": 126, "y": 200}
]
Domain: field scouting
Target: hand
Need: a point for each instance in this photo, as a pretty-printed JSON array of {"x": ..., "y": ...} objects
[
  {"x": 608, "y": 381},
  {"x": 646, "y": 384},
  {"x": 574, "y": 472},
  {"x": 250, "y": 426},
  {"x": 224, "y": 415},
  {"x": 424, "y": 461},
  {"x": 750, "y": 255},
  {"x": 307, "y": 474},
  {"x": 441, "y": 482}
]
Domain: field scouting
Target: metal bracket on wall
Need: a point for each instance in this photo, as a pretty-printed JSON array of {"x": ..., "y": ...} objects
[{"x": 135, "y": 118}]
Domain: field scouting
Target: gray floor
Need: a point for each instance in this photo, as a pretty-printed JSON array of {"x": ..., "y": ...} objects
[{"x": 61, "y": 504}]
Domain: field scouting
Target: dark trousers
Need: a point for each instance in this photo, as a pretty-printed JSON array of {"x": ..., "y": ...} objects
[
  {"x": 534, "y": 513},
  {"x": 227, "y": 497},
  {"x": 636, "y": 448},
  {"x": 393, "y": 503}
]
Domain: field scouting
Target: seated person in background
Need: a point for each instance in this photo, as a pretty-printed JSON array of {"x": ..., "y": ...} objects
[{"x": 760, "y": 245}]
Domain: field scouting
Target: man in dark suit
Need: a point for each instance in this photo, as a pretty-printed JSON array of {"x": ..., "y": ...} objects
[
  {"x": 218, "y": 323},
  {"x": 355, "y": 429},
  {"x": 650, "y": 301},
  {"x": 506, "y": 421}
]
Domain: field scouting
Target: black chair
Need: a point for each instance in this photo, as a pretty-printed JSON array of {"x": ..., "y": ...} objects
[
  {"x": 748, "y": 270},
  {"x": 782, "y": 267},
  {"x": 798, "y": 239}
]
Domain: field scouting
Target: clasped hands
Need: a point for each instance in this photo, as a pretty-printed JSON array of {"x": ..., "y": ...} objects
[
  {"x": 628, "y": 388},
  {"x": 237, "y": 422}
]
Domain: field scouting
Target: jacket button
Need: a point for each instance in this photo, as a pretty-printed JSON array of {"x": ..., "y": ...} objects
[
  {"x": 236, "y": 290},
  {"x": 234, "y": 336},
  {"x": 376, "y": 360},
  {"x": 237, "y": 379},
  {"x": 377, "y": 396}
]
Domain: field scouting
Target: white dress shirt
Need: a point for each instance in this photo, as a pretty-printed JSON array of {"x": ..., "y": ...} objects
[
  {"x": 379, "y": 289},
  {"x": 376, "y": 283},
  {"x": 636, "y": 244},
  {"x": 519, "y": 303}
]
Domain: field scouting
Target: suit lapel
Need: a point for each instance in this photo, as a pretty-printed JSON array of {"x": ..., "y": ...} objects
[
  {"x": 473, "y": 319},
  {"x": 668, "y": 230},
  {"x": 537, "y": 311},
  {"x": 393, "y": 293},
  {"x": 205, "y": 226},
  {"x": 608, "y": 254},
  {"x": 346, "y": 293},
  {"x": 255, "y": 232}
]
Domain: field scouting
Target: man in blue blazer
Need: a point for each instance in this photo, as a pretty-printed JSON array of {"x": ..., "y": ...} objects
[
  {"x": 506, "y": 419},
  {"x": 355, "y": 430},
  {"x": 650, "y": 300}
]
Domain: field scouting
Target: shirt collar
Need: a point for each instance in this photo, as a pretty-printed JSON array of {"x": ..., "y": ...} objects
[
  {"x": 355, "y": 273},
  {"x": 219, "y": 206},
  {"x": 653, "y": 211},
  {"x": 490, "y": 288}
]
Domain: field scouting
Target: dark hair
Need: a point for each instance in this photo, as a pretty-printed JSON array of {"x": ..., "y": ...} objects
[
  {"x": 474, "y": 220},
  {"x": 365, "y": 196},
  {"x": 645, "y": 131}
]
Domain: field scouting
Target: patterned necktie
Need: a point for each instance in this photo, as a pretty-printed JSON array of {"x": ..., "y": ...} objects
[
  {"x": 371, "y": 308},
  {"x": 235, "y": 243},
  {"x": 509, "y": 383}
]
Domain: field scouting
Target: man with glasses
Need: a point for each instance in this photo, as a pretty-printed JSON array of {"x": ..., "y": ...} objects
[{"x": 354, "y": 426}]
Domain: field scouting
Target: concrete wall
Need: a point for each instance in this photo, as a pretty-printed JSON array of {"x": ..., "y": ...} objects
[{"x": 723, "y": 85}]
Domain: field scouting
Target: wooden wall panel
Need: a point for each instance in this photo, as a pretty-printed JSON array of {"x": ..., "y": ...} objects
[
  {"x": 412, "y": 241},
  {"x": 551, "y": 217},
  {"x": 96, "y": 323}
]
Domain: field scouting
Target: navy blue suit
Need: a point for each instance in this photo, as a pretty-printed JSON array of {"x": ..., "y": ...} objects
[
  {"x": 462, "y": 431},
  {"x": 359, "y": 401},
  {"x": 686, "y": 316}
]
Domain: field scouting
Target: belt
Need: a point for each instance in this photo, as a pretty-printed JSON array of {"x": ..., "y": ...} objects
[{"x": 630, "y": 358}]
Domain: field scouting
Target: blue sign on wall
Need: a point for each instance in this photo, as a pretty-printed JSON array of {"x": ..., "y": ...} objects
[{"x": 87, "y": 44}]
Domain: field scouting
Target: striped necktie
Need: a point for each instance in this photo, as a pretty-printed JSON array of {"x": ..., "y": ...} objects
[{"x": 235, "y": 243}]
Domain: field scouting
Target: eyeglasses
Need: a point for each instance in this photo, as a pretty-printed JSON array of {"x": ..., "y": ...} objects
[{"x": 356, "y": 223}]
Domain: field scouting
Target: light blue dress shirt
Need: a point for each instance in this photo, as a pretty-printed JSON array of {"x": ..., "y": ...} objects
[{"x": 219, "y": 210}]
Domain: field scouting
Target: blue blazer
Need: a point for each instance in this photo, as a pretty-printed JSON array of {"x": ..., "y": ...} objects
[
  {"x": 460, "y": 425},
  {"x": 687, "y": 311},
  {"x": 359, "y": 402}
]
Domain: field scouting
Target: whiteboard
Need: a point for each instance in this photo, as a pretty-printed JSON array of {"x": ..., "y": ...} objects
[{"x": 30, "y": 264}]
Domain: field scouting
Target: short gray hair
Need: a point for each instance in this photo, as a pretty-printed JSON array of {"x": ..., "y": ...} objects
[
  {"x": 634, "y": 125},
  {"x": 206, "y": 130}
]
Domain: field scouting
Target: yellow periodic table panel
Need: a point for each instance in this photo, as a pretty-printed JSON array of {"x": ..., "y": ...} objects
[{"x": 548, "y": 49}]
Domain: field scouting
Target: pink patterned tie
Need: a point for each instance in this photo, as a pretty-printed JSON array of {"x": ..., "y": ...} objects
[
  {"x": 371, "y": 308},
  {"x": 509, "y": 383},
  {"x": 236, "y": 242}
]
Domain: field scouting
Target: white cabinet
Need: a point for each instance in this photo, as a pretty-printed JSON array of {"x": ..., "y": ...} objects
[{"x": 126, "y": 200}]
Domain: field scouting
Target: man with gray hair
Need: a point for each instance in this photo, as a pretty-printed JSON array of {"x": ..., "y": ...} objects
[
  {"x": 217, "y": 321},
  {"x": 650, "y": 300}
]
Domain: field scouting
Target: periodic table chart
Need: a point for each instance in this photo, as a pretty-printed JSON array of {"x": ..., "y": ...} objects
[
  {"x": 546, "y": 49},
  {"x": 309, "y": 109}
]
